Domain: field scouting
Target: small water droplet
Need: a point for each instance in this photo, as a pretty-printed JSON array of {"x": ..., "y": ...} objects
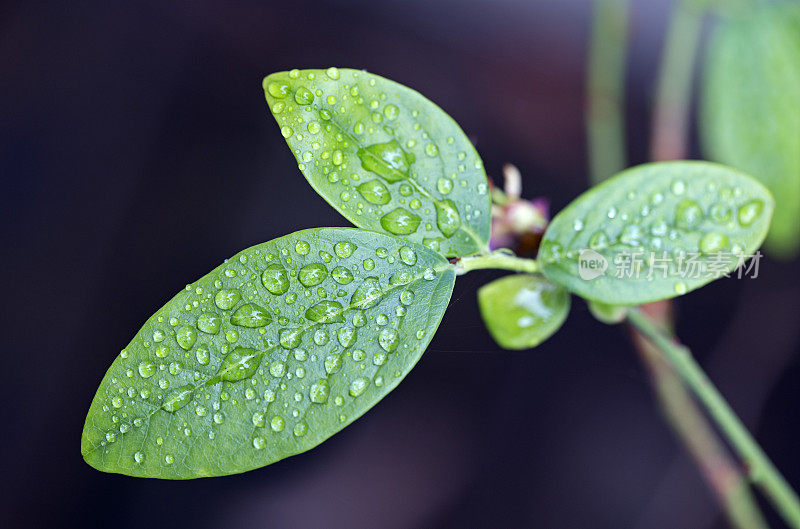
[
  {"x": 713, "y": 242},
  {"x": 375, "y": 192},
  {"x": 447, "y": 218},
  {"x": 444, "y": 185},
  {"x": 344, "y": 249},
  {"x": 186, "y": 336},
  {"x": 320, "y": 390},
  {"x": 749, "y": 212},
  {"x": 227, "y": 299},
  {"x": 209, "y": 323},
  {"x": 312, "y": 274},
  {"x": 358, "y": 386},
  {"x": 400, "y": 221},
  {"x": 688, "y": 214},
  {"x": 252, "y": 316},
  {"x": 388, "y": 340}
]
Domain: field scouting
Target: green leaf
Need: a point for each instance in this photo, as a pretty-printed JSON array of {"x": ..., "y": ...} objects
[
  {"x": 750, "y": 106},
  {"x": 656, "y": 231},
  {"x": 271, "y": 353},
  {"x": 521, "y": 311},
  {"x": 610, "y": 314},
  {"x": 384, "y": 156}
]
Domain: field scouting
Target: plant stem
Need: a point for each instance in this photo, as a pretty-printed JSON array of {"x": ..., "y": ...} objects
[
  {"x": 605, "y": 123},
  {"x": 759, "y": 468},
  {"x": 674, "y": 91},
  {"x": 496, "y": 260},
  {"x": 700, "y": 440}
]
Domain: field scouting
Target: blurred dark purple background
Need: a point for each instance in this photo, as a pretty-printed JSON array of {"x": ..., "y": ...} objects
[{"x": 136, "y": 152}]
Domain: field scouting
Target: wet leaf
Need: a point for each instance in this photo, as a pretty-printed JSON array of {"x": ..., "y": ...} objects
[
  {"x": 271, "y": 353},
  {"x": 750, "y": 115},
  {"x": 384, "y": 156},
  {"x": 521, "y": 311},
  {"x": 656, "y": 231}
]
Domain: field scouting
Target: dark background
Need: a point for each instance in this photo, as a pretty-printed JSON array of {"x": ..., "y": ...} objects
[{"x": 136, "y": 152}]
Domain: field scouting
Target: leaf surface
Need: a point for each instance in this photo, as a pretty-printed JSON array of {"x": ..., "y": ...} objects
[
  {"x": 521, "y": 311},
  {"x": 384, "y": 156},
  {"x": 271, "y": 353},
  {"x": 656, "y": 231},
  {"x": 750, "y": 109}
]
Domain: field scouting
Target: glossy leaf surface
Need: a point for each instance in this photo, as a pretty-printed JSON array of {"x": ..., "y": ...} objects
[
  {"x": 268, "y": 355},
  {"x": 521, "y": 311},
  {"x": 384, "y": 156},
  {"x": 750, "y": 115},
  {"x": 656, "y": 231}
]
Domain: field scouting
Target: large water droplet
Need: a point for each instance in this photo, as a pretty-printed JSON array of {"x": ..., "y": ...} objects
[
  {"x": 239, "y": 364},
  {"x": 320, "y": 390},
  {"x": 278, "y": 90},
  {"x": 713, "y": 242},
  {"x": 400, "y": 221},
  {"x": 346, "y": 336},
  {"x": 326, "y": 312},
  {"x": 303, "y": 96},
  {"x": 408, "y": 255},
  {"x": 209, "y": 323},
  {"x": 388, "y": 340},
  {"x": 749, "y": 212},
  {"x": 275, "y": 279},
  {"x": 344, "y": 249},
  {"x": 186, "y": 337},
  {"x": 147, "y": 369},
  {"x": 358, "y": 386},
  {"x": 277, "y": 423},
  {"x": 375, "y": 192},
  {"x": 313, "y": 274},
  {"x": 688, "y": 214},
  {"x": 178, "y": 398},
  {"x": 227, "y": 299},
  {"x": 251, "y": 315},
  {"x": 447, "y": 218},
  {"x": 333, "y": 363},
  {"x": 290, "y": 338},
  {"x": 444, "y": 185},
  {"x": 367, "y": 294},
  {"x": 387, "y": 160},
  {"x": 342, "y": 275}
]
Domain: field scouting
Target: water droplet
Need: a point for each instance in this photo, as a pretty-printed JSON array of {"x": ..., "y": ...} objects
[
  {"x": 387, "y": 160},
  {"x": 408, "y": 255},
  {"x": 278, "y": 90},
  {"x": 321, "y": 337},
  {"x": 630, "y": 235},
  {"x": 239, "y": 364},
  {"x": 209, "y": 323},
  {"x": 326, "y": 312},
  {"x": 138, "y": 457},
  {"x": 313, "y": 274},
  {"x": 598, "y": 240},
  {"x": 277, "y": 424},
  {"x": 333, "y": 363},
  {"x": 252, "y": 316},
  {"x": 358, "y": 386},
  {"x": 391, "y": 111},
  {"x": 258, "y": 420},
  {"x": 178, "y": 398},
  {"x": 368, "y": 264},
  {"x": 432, "y": 150},
  {"x": 444, "y": 186},
  {"x": 300, "y": 429},
  {"x": 259, "y": 443},
  {"x": 227, "y": 299},
  {"x": 680, "y": 288},
  {"x": 401, "y": 277},
  {"x": 346, "y": 336},
  {"x": 290, "y": 338},
  {"x": 342, "y": 275},
  {"x": 344, "y": 249},
  {"x": 302, "y": 247},
  {"x": 375, "y": 192},
  {"x": 713, "y": 242},
  {"x": 388, "y": 340},
  {"x": 429, "y": 274},
  {"x": 400, "y": 221},
  {"x": 186, "y": 337},
  {"x": 367, "y": 294},
  {"x": 275, "y": 279},
  {"x": 447, "y": 218},
  {"x": 406, "y": 297},
  {"x": 320, "y": 390},
  {"x": 749, "y": 212},
  {"x": 332, "y": 73},
  {"x": 303, "y": 96},
  {"x": 147, "y": 369},
  {"x": 688, "y": 214},
  {"x": 313, "y": 127},
  {"x": 678, "y": 187}
]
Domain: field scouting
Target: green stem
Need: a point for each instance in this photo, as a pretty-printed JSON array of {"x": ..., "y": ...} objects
[
  {"x": 759, "y": 468},
  {"x": 496, "y": 260},
  {"x": 605, "y": 123},
  {"x": 674, "y": 91}
]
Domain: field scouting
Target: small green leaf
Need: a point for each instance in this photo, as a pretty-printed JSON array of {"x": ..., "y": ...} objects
[
  {"x": 384, "y": 156},
  {"x": 522, "y": 311},
  {"x": 610, "y": 314},
  {"x": 750, "y": 115},
  {"x": 656, "y": 231},
  {"x": 268, "y": 355}
]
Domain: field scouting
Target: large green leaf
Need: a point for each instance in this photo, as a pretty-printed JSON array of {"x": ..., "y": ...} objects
[
  {"x": 384, "y": 156},
  {"x": 521, "y": 311},
  {"x": 271, "y": 353},
  {"x": 750, "y": 115},
  {"x": 656, "y": 231}
]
